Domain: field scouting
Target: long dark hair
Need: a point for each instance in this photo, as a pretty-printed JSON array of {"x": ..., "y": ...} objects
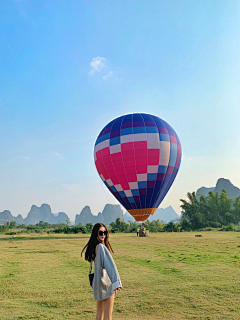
[{"x": 93, "y": 242}]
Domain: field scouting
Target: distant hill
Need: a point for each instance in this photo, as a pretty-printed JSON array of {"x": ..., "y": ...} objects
[
  {"x": 232, "y": 191},
  {"x": 35, "y": 215},
  {"x": 44, "y": 214},
  {"x": 166, "y": 215},
  {"x": 110, "y": 214},
  {"x": 7, "y": 216}
]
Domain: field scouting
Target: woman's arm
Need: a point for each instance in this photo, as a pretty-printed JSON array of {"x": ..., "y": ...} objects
[{"x": 109, "y": 264}]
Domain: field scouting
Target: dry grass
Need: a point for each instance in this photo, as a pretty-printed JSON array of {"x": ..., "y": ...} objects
[{"x": 166, "y": 276}]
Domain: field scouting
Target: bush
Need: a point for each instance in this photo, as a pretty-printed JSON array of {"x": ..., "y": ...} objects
[
  {"x": 170, "y": 227},
  {"x": 227, "y": 228},
  {"x": 4, "y": 227},
  {"x": 21, "y": 226},
  {"x": 67, "y": 229},
  {"x": 230, "y": 227},
  {"x": 214, "y": 224}
]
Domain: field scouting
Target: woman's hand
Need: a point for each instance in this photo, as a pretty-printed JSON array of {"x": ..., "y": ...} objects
[{"x": 118, "y": 289}]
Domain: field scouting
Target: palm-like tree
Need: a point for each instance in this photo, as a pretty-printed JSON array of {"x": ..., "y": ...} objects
[{"x": 191, "y": 210}]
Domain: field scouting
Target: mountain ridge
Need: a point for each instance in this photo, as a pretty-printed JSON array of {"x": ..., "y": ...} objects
[
  {"x": 35, "y": 215},
  {"x": 110, "y": 212},
  {"x": 222, "y": 183}
]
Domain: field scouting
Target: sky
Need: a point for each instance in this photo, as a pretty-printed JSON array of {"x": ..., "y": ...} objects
[{"x": 67, "y": 68}]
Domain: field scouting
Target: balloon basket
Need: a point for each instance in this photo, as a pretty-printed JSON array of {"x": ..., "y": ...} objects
[{"x": 143, "y": 234}]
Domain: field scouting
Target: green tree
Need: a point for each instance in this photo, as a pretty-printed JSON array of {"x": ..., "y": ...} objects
[
  {"x": 186, "y": 226},
  {"x": 204, "y": 209},
  {"x": 236, "y": 210},
  {"x": 89, "y": 227},
  {"x": 4, "y": 227},
  {"x": 13, "y": 224},
  {"x": 133, "y": 226},
  {"x": 213, "y": 204},
  {"x": 155, "y": 225},
  {"x": 118, "y": 226},
  {"x": 191, "y": 211},
  {"x": 44, "y": 225},
  {"x": 225, "y": 215},
  {"x": 214, "y": 210},
  {"x": 21, "y": 226},
  {"x": 170, "y": 227}
]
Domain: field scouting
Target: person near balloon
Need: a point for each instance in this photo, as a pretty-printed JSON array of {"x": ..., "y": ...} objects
[
  {"x": 106, "y": 281},
  {"x": 144, "y": 231},
  {"x": 137, "y": 231}
]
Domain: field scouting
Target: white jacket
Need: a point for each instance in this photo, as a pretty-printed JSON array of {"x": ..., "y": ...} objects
[{"x": 106, "y": 278}]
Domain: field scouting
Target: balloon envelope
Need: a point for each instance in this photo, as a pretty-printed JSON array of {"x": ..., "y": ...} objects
[{"x": 137, "y": 157}]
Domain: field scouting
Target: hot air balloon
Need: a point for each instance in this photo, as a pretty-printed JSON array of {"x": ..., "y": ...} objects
[{"x": 137, "y": 157}]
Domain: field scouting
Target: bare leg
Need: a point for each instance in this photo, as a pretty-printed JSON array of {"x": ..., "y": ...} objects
[
  {"x": 99, "y": 315},
  {"x": 108, "y": 307}
]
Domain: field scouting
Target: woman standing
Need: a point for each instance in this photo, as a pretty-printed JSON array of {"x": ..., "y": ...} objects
[{"x": 106, "y": 281}]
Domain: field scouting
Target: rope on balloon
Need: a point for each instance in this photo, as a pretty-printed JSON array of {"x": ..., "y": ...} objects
[
  {"x": 104, "y": 190},
  {"x": 101, "y": 182}
]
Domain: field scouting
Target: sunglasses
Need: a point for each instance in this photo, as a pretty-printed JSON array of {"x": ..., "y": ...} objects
[{"x": 101, "y": 233}]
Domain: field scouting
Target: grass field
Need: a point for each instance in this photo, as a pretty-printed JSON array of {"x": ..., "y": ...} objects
[{"x": 166, "y": 276}]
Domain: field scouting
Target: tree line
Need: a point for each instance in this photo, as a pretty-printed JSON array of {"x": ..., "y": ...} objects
[
  {"x": 153, "y": 226},
  {"x": 215, "y": 210},
  {"x": 114, "y": 227},
  {"x": 42, "y": 227}
]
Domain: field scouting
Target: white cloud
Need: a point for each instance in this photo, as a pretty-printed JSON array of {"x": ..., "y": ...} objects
[
  {"x": 26, "y": 157},
  {"x": 50, "y": 181},
  {"x": 57, "y": 154},
  {"x": 97, "y": 64},
  {"x": 108, "y": 75}
]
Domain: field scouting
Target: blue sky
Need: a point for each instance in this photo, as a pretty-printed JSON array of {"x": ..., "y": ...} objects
[{"x": 69, "y": 67}]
